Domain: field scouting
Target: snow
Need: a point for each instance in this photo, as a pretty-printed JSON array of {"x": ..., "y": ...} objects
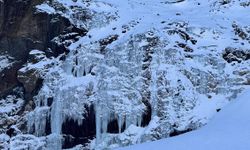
[
  {"x": 228, "y": 130},
  {"x": 26, "y": 142},
  {"x": 5, "y": 62},
  {"x": 45, "y": 8},
  {"x": 10, "y": 104},
  {"x": 35, "y": 52},
  {"x": 3, "y": 140}
]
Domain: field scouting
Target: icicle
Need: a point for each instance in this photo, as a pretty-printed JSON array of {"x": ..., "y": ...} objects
[
  {"x": 41, "y": 116},
  {"x": 31, "y": 122},
  {"x": 105, "y": 119},
  {"x": 56, "y": 116},
  {"x": 153, "y": 86},
  {"x": 139, "y": 120},
  {"x": 79, "y": 71},
  {"x": 98, "y": 124},
  {"x": 79, "y": 121},
  {"x": 120, "y": 122},
  {"x": 128, "y": 120},
  {"x": 38, "y": 119},
  {"x": 68, "y": 65}
]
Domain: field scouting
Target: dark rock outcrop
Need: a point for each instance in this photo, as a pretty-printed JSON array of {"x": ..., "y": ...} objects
[
  {"x": 75, "y": 133},
  {"x": 8, "y": 79},
  {"x": 23, "y": 29},
  {"x": 29, "y": 76},
  {"x": 233, "y": 54}
]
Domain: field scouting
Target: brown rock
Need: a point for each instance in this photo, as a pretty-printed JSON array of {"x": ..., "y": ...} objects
[
  {"x": 29, "y": 79},
  {"x": 22, "y": 29}
]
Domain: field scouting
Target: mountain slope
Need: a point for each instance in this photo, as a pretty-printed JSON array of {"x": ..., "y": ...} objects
[
  {"x": 228, "y": 130},
  {"x": 119, "y": 73}
]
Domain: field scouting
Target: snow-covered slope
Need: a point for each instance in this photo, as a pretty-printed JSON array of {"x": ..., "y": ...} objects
[{"x": 228, "y": 130}]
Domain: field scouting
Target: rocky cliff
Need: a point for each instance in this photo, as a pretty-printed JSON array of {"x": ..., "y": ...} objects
[
  {"x": 89, "y": 74},
  {"x": 23, "y": 29}
]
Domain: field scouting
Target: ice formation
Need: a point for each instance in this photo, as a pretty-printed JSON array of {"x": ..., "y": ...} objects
[{"x": 140, "y": 79}]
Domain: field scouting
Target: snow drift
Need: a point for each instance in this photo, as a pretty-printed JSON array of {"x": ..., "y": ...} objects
[{"x": 228, "y": 130}]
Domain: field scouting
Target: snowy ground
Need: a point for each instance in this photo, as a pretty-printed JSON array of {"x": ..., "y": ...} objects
[{"x": 228, "y": 130}]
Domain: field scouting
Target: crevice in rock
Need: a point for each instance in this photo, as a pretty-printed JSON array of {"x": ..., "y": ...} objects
[
  {"x": 146, "y": 117},
  {"x": 48, "y": 127},
  {"x": 177, "y": 132},
  {"x": 113, "y": 126},
  {"x": 75, "y": 133}
]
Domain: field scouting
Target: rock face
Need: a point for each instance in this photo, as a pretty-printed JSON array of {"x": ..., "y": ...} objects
[
  {"x": 30, "y": 78},
  {"x": 8, "y": 79},
  {"x": 22, "y": 29},
  {"x": 237, "y": 55},
  {"x": 101, "y": 74}
]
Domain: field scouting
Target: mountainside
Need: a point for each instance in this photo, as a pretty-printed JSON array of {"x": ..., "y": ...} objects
[
  {"x": 87, "y": 74},
  {"x": 219, "y": 134}
]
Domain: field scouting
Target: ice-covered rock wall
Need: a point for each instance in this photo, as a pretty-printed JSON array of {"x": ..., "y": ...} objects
[{"x": 135, "y": 71}]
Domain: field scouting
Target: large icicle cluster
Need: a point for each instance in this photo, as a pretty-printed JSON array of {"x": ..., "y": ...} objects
[{"x": 138, "y": 79}]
